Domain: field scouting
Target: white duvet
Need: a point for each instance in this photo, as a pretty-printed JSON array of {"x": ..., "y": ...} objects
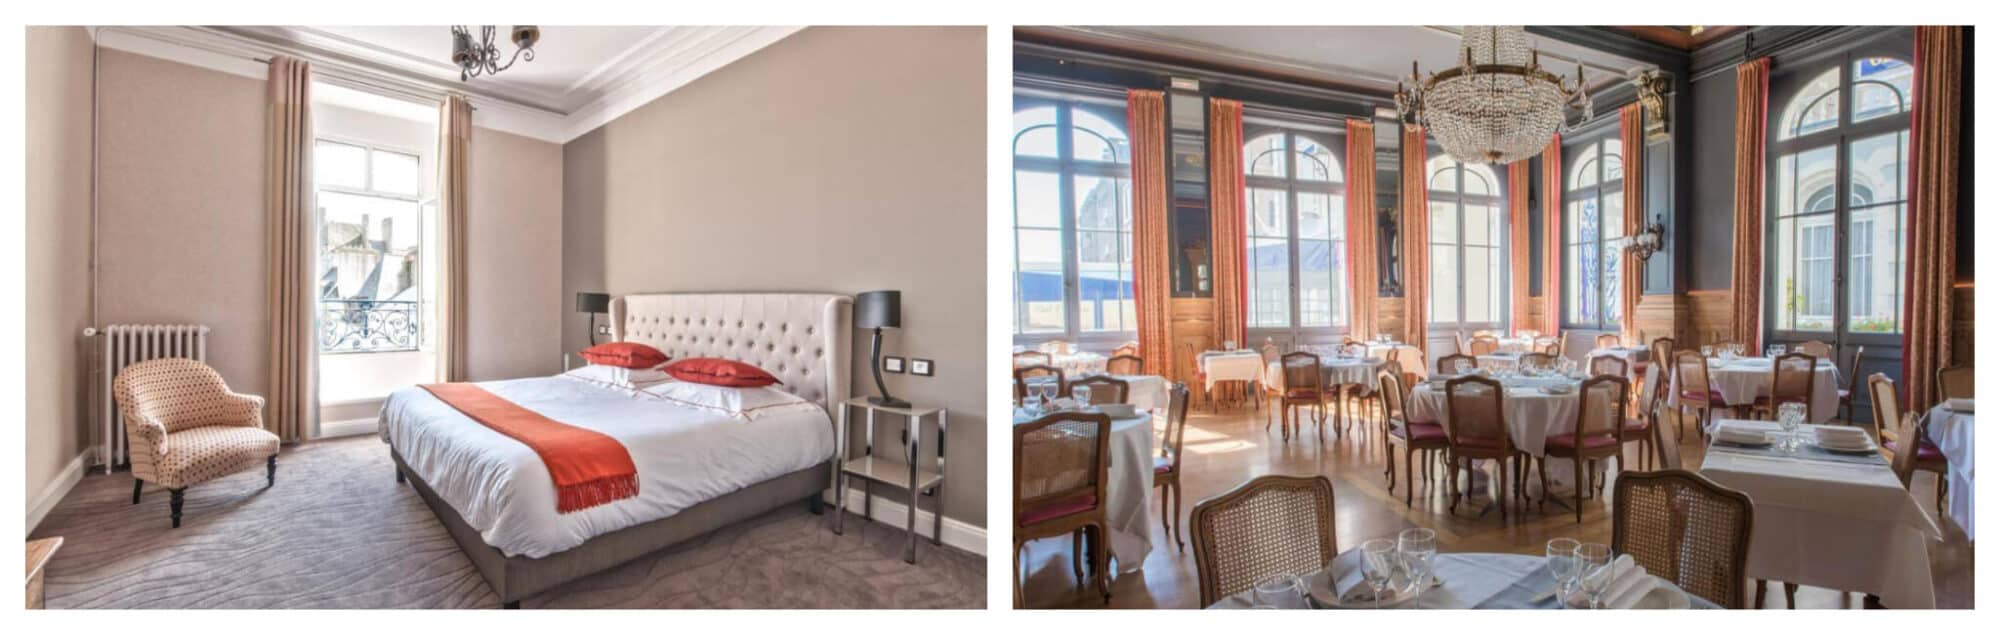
[{"x": 685, "y": 456}]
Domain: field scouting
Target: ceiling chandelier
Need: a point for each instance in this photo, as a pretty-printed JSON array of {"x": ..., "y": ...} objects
[
  {"x": 1498, "y": 105},
  {"x": 482, "y": 58}
]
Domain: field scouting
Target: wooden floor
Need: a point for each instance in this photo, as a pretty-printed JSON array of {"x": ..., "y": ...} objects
[{"x": 1223, "y": 450}]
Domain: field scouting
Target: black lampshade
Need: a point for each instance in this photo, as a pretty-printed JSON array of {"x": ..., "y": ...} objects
[
  {"x": 878, "y": 310},
  {"x": 593, "y": 303}
]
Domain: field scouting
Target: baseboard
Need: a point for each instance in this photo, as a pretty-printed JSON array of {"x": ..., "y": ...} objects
[
  {"x": 961, "y": 535},
  {"x": 350, "y": 427},
  {"x": 57, "y": 489}
]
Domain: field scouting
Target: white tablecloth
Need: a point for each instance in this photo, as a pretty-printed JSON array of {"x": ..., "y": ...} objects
[
  {"x": 1517, "y": 344},
  {"x": 1532, "y": 416},
  {"x": 1145, "y": 392},
  {"x": 1952, "y": 432},
  {"x": 1410, "y": 357},
  {"x": 1230, "y": 366},
  {"x": 1078, "y": 363},
  {"x": 1500, "y": 361},
  {"x": 1743, "y": 380},
  {"x": 1335, "y": 372},
  {"x": 1840, "y": 525},
  {"x": 1633, "y": 355},
  {"x": 1128, "y": 521},
  {"x": 1472, "y": 581}
]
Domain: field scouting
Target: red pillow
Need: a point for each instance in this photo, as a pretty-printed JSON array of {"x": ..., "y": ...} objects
[
  {"x": 624, "y": 355},
  {"x": 720, "y": 372}
]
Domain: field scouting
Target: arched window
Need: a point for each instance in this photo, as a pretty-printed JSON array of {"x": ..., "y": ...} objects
[
  {"x": 1072, "y": 220},
  {"x": 1468, "y": 266},
  {"x": 1838, "y": 190},
  {"x": 1295, "y": 210},
  {"x": 1593, "y": 215}
]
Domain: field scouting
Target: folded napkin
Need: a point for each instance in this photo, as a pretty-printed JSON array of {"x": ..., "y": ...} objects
[
  {"x": 1624, "y": 585},
  {"x": 1958, "y": 405},
  {"x": 1740, "y": 435},
  {"x": 1841, "y": 435}
]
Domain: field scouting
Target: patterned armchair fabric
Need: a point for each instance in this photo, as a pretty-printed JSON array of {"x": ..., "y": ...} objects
[{"x": 186, "y": 427}]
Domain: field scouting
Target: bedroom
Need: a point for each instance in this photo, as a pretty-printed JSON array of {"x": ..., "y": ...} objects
[{"x": 692, "y": 189}]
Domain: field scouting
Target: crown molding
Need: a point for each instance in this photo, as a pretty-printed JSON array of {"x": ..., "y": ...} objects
[{"x": 665, "y": 60}]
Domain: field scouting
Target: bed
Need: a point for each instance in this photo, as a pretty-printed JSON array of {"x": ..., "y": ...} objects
[{"x": 699, "y": 471}]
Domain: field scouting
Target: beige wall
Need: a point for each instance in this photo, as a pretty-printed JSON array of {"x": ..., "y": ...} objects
[
  {"x": 58, "y": 250},
  {"x": 514, "y": 257},
  {"x": 839, "y": 159}
]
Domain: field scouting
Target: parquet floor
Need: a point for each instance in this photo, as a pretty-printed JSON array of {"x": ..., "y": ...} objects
[{"x": 1223, "y": 450}]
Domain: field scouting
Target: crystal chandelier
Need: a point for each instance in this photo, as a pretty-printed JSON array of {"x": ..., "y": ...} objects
[
  {"x": 482, "y": 58},
  {"x": 1498, "y": 105}
]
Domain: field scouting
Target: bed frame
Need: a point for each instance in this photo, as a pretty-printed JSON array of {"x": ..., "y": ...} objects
[{"x": 802, "y": 338}]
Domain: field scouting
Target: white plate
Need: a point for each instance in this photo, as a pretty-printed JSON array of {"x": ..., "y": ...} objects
[
  {"x": 1663, "y": 596},
  {"x": 1864, "y": 446},
  {"x": 1766, "y": 442}
]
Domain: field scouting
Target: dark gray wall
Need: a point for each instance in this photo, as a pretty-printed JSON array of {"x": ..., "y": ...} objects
[{"x": 1714, "y": 222}]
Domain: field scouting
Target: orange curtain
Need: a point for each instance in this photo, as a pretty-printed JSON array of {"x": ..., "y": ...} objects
[
  {"x": 1632, "y": 137},
  {"x": 1517, "y": 230},
  {"x": 1416, "y": 242},
  {"x": 1933, "y": 228},
  {"x": 292, "y": 393},
  {"x": 1753, "y": 79},
  {"x": 1145, "y": 117},
  {"x": 1225, "y": 217},
  {"x": 1362, "y": 279},
  {"x": 1552, "y": 293}
]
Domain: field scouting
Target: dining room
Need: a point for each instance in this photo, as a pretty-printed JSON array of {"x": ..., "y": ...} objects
[{"x": 1484, "y": 317}]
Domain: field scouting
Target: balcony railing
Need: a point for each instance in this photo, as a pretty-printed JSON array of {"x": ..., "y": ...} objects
[{"x": 367, "y": 326}]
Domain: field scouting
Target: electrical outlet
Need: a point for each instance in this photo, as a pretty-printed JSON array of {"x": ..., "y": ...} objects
[{"x": 603, "y": 329}]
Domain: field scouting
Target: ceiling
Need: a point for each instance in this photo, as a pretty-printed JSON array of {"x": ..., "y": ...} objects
[{"x": 1367, "y": 57}]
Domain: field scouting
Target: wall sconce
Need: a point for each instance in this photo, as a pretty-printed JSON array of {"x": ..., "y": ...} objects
[{"x": 1647, "y": 242}]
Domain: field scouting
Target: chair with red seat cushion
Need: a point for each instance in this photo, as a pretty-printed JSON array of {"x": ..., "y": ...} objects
[
  {"x": 1478, "y": 431},
  {"x": 1889, "y": 415},
  {"x": 1304, "y": 385},
  {"x": 1061, "y": 464},
  {"x": 1427, "y": 437},
  {"x": 1167, "y": 466},
  {"x": 1791, "y": 382},
  {"x": 1691, "y": 373},
  {"x": 1600, "y": 414}
]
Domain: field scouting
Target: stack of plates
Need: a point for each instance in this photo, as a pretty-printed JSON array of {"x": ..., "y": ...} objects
[
  {"x": 1843, "y": 439},
  {"x": 1738, "y": 435}
]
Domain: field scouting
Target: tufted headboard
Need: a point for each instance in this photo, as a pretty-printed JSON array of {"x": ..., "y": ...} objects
[{"x": 802, "y": 338}]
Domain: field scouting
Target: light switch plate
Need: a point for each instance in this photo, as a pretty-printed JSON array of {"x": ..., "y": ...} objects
[{"x": 921, "y": 367}]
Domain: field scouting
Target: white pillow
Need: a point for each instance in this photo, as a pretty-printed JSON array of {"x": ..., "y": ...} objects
[
  {"x": 630, "y": 379},
  {"x": 746, "y": 403}
]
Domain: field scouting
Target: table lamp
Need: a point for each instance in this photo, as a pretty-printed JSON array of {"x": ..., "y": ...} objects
[
  {"x": 593, "y": 303},
  {"x": 879, "y": 310}
]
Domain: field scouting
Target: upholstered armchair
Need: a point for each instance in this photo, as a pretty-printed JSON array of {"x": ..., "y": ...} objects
[{"x": 186, "y": 427}]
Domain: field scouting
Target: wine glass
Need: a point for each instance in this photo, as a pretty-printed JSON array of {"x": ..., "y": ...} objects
[
  {"x": 1048, "y": 391},
  {"x": 1594, "y": 568},
  {"x": 1561, "y": 554},
  {"x": 1032, "y": 402},
  {"x": 1081, "y": 394},
  {"x": 1418, "y": 547},
  {"x": 1279, "y": 591},
  {"x": 1378, "y": 565},
  {"x": 1707, "y": 350}
]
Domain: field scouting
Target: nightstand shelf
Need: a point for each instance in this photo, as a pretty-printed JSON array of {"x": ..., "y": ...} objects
[
  {"x": 891, "y": 473},
  {"x": 928, "y": 476}
]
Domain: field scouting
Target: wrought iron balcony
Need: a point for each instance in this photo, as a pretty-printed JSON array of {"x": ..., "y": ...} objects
[{"x": 367, "y": 326}]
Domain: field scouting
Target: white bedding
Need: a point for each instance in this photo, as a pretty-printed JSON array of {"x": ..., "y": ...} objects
[{"x": 685, "y": 456}]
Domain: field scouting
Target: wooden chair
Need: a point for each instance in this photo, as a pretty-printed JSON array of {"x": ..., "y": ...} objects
[
  {"x": 1888, "y": 413},
  {"x": 1033, "y": 358},
  {"x": 1352, "y": 348},
  {"x": 1817, "y": 349},
  {"x": 1023, "y": 373},
  {"x": 1541, "y": 361},
  {"x": 1954, "y": 382},
  {"x": 1167, "y": 466},
  {"x": 1853, "y": 386},
  {"x": 1644, "y": 430},
  {"x": 1104, "y": 389},
  {"x": 1305, "y": 385},
  {"x": 1685, "y": 528},
  {"x": 1661, "y": 354},
  {"x": 1666, "y": 449},
  {"x": 1061, "y": 465},
  {"x": 1427, "y": 437},
  {"x": 1456, "y": 364},
  {"x": 1128, "y": 348},
  {"x": 1600, "y": 414},
  {"x": 1268, "y": 526},
  {"x": 1478, "y": 431},
  {"x": 1483, "y": 345},
  {"x": 1125, "y": 364},
  {"x": 1608, "y": 365},
  {"x": 1549, "y": 344},
  {"x": 1791, "y": 382},
  {"x": 1691, "y": 371},
  {"x": 1607, "y": 340}
]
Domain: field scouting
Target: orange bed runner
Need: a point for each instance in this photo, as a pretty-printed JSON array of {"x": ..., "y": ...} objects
[{"x": 588, "y": 467}]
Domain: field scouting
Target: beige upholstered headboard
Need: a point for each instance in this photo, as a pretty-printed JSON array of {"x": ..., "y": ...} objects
[{"x": 802, "y": 338}]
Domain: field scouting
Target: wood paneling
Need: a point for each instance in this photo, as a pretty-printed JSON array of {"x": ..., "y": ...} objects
[
  {"x": 1663, "y": 315},
  {"x": 1191, "y": 328},
  {"x": 1389, "y": 315},
  {"x": 1709, "y": 313}
]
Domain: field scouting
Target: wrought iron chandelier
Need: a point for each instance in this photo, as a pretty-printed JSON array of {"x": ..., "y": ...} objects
[
  {"x": 482, "y": 58},
  {"x": 1498, "y": 105}
]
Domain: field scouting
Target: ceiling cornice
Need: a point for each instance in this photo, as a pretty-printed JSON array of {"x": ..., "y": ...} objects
[{"x": 658, "y": 64}]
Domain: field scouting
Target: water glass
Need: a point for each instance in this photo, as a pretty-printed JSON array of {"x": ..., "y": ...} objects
[
  {"x": 1419, "y": 548},
  {"x": 1279, "y": 591},
  {"x": 1790, "y": 417},
  {"x": 1561, "y": 554},
  {"x": 1707, "y": 351},
  {"x": 1593, "y": 570},
  {"x": 1378, "y": 565},
  {"x": 1032, "y": 402},
  {"x": 1081, "y": 394}
]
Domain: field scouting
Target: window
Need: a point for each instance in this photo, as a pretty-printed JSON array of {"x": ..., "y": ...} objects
[
  {"x": 1072, "y": 220},
  {"x": 1594, "y": 214},
  {"x": 1468, "y": 268},
  {"x": 1295, "y": 223},
  {"x": 370, "y": 247},
  {"x": 1839, "y": 192}
]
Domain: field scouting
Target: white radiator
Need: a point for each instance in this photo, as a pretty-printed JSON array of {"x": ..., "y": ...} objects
[{"x": 127, "y": 344}]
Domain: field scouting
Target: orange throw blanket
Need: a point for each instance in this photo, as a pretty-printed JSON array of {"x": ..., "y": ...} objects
[{"x": 588, "y": 467}]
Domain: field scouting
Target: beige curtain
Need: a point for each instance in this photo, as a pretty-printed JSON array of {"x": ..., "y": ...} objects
[
  {"x": 1416, "y": 224},
  {"x": 1552, "y": 291},
  {"x": 1225, "y": 217},
  {"x": 1933, "y": 222},
  {"x": 454, "y": 147},
  {"x": 290, "y": 250},
  {"x": 1146, "y": 118},
  {"x": 1517, "y": 232},
  {"x": 1362, "y": 279},
  {"x": 1632, "y": 137},
  {"x": 1753, "y": 80}
]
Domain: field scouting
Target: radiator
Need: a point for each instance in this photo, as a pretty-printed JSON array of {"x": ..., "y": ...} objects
[{"x": 127, "y": 344}]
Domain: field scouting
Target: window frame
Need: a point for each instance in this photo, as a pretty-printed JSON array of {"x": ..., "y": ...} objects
[
  {"x": 1066, "y": 168},
  {"x": 1600, "y": 192},
  {"x": 420, "y": 200},
  {"x": 1497, "y": 201},
  {"x": 1294, "y": 330}
]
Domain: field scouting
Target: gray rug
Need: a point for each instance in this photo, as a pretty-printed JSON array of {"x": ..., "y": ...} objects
[{"x": 338, "y": 532}]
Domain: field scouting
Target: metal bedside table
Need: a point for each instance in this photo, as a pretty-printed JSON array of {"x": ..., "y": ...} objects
[{"x": 911, "y": 474}]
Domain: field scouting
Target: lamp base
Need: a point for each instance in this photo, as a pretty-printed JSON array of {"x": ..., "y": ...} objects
[{"x": 888, "y": 402}]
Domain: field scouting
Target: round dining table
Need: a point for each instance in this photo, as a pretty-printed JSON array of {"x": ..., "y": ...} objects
[
  {"x": 1533, "y": 414},
  {"x": 1128, "y": 485},
  {"x": 1743, "y": 380},
  {"x": 1469, "y": 581}
]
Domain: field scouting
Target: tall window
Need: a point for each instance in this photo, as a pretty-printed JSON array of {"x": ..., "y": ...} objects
[
  {"x": 1839, "y": 190},
  {"x": 370, "y": 238},
  {"x": 1295, "y": 208},
  {"x": 1072, "y": 220},
  {"x": 1594, "y": 214},
  {"x": 1468, "y": 268}
]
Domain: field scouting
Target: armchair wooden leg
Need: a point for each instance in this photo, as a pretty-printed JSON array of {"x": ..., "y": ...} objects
[
  {"x": 400, "y": 478},
  {"x": 1791, "y": 595},
  {"x": 136, "y": 486},
  {"x": 1759, "y": 603},
  {"x": 271, "y": 471},
  {"x": 174, "y": 503}
]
